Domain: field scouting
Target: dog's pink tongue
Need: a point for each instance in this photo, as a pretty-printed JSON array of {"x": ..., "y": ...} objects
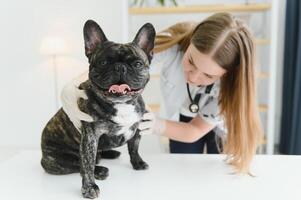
[{"x": 123, "y": 88}]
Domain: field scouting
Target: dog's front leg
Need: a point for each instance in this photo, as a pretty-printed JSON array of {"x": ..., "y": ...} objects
[
  {"x": 136, "y": 160},
  {"x": 88, "y": 151}
]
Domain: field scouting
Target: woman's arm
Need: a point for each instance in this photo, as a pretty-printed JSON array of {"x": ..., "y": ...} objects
[
  {"x": 187, "y": 132},
  {"x": 179, "y": 131}
]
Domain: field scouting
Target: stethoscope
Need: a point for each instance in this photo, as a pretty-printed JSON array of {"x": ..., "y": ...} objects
[{"x": 194, "y": 107}]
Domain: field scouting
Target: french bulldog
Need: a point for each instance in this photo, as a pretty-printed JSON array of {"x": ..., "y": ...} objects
[{"x": 118, "y": 73}]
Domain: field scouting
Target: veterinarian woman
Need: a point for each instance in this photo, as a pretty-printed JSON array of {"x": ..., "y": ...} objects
[{"x": 208, "y": 83}]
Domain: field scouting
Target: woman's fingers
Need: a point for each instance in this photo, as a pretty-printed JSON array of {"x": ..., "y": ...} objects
[
  {"x": 76, "y": 123},
  {"x": 82, "y": 116},
  {"x": 146, "y": 132},
  {"x": 145, "y": 125},
  {"x": 82, "y": 94},
  {"x": 148, "y": 116}
]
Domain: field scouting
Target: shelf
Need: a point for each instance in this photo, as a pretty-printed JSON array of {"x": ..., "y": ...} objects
[
  {"x": 263, "y": 108},
  {"x": 262, "y": 41},
  {"x": 200, "y": 9},
  {"x": 156, "y": 107},
  {"x": 261, "y": 75},
  {"x": 155, "y": 76}
]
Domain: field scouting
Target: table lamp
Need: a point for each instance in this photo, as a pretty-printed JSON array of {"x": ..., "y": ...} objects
[{"x": 53, "y": 47}]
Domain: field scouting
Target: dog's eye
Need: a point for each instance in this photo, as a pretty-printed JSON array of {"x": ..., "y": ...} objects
[
  {"x": 138, "y": 64},
  {"x": 103, "y": 62}
]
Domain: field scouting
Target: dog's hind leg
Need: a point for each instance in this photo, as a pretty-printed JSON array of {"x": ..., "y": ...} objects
[
  {"x": 101, "y": 173},
  {"x": 60, "y": 163}
]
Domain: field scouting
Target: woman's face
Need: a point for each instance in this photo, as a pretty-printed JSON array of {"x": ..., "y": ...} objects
[{"x": 199, "y": 68}]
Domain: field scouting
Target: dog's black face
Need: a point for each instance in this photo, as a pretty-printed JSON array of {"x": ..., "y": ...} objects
[{"x": 118, "y": 71}]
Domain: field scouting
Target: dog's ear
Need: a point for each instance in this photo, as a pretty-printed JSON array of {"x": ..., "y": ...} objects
[
  {"x": 93, "y": 36},
  {"x": 145, "y": 38}
]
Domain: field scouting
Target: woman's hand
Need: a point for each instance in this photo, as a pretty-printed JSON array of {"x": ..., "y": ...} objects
[
  {"x": 69, "y": 96},
  {"x": 151, "y": 124}
]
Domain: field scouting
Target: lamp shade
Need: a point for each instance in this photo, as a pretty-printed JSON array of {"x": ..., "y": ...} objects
[{"x": 52, "y": 45}]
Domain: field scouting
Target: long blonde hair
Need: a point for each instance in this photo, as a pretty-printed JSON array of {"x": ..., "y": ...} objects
[{"x": 229, "y": 43}]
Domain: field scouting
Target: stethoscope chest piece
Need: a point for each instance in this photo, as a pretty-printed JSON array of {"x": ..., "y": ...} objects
[{"x": 194, "y": 108}]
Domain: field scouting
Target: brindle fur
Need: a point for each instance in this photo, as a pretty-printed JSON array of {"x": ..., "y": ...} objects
[{"x": 65, "y": 150}]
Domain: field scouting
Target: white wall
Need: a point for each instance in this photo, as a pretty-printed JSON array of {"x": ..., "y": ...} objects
[{"x": 26, "y": 77}]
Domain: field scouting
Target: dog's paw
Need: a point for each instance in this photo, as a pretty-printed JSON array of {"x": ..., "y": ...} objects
[
  {"x": 101, "y": 173},
  {"x": 90, "y": 191},
  {"x": 139, "y": 165}
]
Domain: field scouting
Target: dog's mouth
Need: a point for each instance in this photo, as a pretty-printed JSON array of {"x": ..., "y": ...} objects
[{"x": 122, "y": 89}]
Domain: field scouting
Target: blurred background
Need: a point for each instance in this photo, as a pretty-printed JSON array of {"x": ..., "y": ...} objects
[{"x": 42, "y": 48}]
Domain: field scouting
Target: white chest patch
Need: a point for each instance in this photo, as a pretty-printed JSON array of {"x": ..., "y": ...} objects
[{"x": 126, "y": 116}]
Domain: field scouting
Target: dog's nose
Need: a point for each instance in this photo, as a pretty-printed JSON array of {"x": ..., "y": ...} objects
[{"x": 120, "y": 68}]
